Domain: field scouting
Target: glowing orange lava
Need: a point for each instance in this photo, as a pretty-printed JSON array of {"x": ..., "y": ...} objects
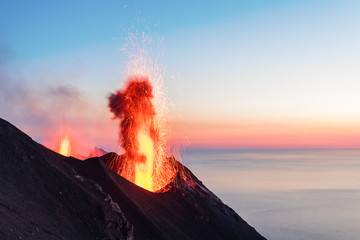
[
  {"x": 141, "y": 135},
  {"x": 64, "y": 146},
  {"x": 144, "y": 171}
]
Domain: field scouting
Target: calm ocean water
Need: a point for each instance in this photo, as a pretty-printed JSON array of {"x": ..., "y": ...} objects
[{"x": 307, "y": 194}]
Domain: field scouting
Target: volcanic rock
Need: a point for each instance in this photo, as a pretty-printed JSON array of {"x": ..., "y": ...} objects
[
  {"x": 97, "y": 152},
  {"x": 44, "y": 195}
]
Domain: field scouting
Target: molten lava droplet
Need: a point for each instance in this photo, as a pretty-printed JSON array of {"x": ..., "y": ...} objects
[{"x": 64, "y": 146}]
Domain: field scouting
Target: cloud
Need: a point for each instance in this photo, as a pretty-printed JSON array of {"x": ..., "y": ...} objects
[
  {"x": 65, "y": 91},
  {"x": 35, "y": 103}
]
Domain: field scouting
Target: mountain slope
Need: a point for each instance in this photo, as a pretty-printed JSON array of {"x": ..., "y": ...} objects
[
  {"x": 44, "y": 195},
  {"x": 41, "y": 197}
]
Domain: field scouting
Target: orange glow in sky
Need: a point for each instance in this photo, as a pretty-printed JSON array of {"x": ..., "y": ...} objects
[{"x": 271, "y": 135}]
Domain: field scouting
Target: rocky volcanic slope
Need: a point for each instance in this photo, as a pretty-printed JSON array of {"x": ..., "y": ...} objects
[{"x": 44, "y": 195}]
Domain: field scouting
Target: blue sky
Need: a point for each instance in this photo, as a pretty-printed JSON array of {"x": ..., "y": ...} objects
[
  {"x": 228, "y": 63},
  {"x": 38, "y": 29}
]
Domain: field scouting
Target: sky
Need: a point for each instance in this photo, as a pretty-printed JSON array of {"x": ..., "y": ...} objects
[{"x": 237, "y": 74}]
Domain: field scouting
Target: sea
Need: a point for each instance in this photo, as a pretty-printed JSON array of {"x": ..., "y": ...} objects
[{"x": 286, "y": 194}]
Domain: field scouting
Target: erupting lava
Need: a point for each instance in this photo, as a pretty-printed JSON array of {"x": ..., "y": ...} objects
[
  {"x": 64, "y": 146},
  {"x": 145, "y": 162}
]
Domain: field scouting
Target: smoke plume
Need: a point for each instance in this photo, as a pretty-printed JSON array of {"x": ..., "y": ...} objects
[{"x": 133, "y": 107}]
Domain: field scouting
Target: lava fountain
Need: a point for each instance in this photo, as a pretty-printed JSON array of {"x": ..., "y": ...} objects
[
  {"x": 145, "y": 163},
  {"x": 64, "y": 146}
]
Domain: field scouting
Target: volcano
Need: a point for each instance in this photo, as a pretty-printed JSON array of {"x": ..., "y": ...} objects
[{"x": 44, "y": 195}]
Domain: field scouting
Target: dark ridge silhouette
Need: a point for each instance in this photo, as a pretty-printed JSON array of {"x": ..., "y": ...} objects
[{"x": 44, "y": 195}]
